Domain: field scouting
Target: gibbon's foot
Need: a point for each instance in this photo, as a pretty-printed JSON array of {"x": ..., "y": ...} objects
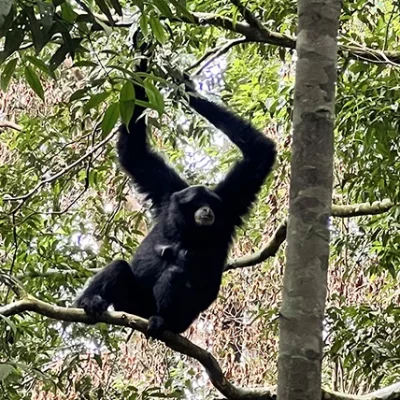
[
  {"x": 156, "y": 326},
  {"x": 93, "y": 306}
]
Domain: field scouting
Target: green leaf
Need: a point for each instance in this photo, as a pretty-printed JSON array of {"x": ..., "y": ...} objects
[
  {"x": 95, "y": 100},
  {"x": 34, "y": 82},
  {"x": 46, "y": 11},
  {"x": 5, "y": 8},
  {"x": 105, "y": 10},
  {"x": 105, "y": 27},
  {"x": 5, "y": 370},
  {"x": 68, "y": 13},
  {"x": 155, "y": 96},
  {"x": 158, "y": 30},
  {"x": 127, "y": 92},
  {"x": 163, "y": 7},
  {"x": 7, "y": 73},
  {"x": 144, "y": 25},
  {"x": 127, "y": 102},
  {"x": 9, "y": 323},
  {"x": 41, "y": 65},
  {"x": 38, "y": 39},
  {"x": 110, "y": 118},
  {"x": 182, "y": 10},
  {"x": 78, "y": 94},
  {"x": 14, "y": 38},
  {"x": 58, "y": 57},
  {"x": 117, "y": 7}
]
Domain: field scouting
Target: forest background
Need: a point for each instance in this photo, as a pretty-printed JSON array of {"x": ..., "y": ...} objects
[{"x": 66, "y": 209}]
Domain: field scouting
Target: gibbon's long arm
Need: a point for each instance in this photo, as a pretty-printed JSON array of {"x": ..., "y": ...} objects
[
  {"x": 150, "y": 173},
  {"x": 243, "y": 182}
]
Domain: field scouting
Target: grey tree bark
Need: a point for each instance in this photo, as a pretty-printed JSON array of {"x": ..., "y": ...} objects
[{"x": 304, "y": 289}]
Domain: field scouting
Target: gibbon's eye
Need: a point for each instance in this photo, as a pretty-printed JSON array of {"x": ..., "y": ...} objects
[{"x": 204, "y": 216}]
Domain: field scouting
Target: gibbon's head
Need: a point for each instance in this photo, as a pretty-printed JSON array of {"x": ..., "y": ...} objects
[{"x": 195, "y": 206}]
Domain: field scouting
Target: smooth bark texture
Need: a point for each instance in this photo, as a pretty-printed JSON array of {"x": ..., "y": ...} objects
[{"x": 304, "y": 288}]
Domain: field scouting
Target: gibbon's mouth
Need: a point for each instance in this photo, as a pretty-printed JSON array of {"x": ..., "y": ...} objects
[{"x": 204, "y": 216}]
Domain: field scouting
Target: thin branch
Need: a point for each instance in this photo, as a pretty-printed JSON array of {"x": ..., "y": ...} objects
[
  {"x": 62, "y": 172},
  {"x": 54, "y": 271},
  {"x": 248, "y": 15},
  {"x": 9, "y": 124},
  {"x": 269, "y": 250},
  {"x": 213, "y": 54},
  {"x": 272, "y": 247},
  {"x": 181, "y": 345},
  {"x": 250, "y": 32},
  {"x": 70, "y": 205},
  {"x": 173, "y": 341},
  {"x": 264, "y": 35}
]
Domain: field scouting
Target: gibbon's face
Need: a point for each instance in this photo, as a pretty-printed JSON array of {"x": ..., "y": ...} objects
[{"x": 197, "y": 206}]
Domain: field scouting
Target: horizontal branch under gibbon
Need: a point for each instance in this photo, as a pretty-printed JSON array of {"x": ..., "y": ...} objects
[{"x": 180, "y": 344}]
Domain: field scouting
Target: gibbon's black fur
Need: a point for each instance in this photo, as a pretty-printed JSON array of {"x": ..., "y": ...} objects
[{"x": 177, "y": 269}]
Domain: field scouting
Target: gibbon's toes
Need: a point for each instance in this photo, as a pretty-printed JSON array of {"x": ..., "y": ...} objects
[
  {"x": 156, "y": 327},
  {"x": 93, "y": 306}
]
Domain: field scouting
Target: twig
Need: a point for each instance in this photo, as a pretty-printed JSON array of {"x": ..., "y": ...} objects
[
  {"x": 54, "y": 177},
  {"x": 9, "y": 124},
  {"x": 70, "y": 205},
  {"x": 213, "y": 54}
]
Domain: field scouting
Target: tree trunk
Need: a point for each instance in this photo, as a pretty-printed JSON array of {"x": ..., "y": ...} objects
[{"x": 304, "y": 291}]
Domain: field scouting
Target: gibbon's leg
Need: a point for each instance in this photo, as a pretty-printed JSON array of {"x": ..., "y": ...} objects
[
  {"x": 174, "y": 302},
  {"x": 107, "y": 287}
]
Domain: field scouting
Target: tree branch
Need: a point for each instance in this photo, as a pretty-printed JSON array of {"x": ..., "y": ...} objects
[
  {"x": 272, "y": 247},
  {"x": 362, "y": 209},
  {"x": 9, "y": 124},
  {"x": 173, "y": 341},
  {"x": 179, "y": 344},
  {"x": 213, "y": 54},
  {"x": 264, "y": 35},
  {"x": 269, "y": 250},
  {"x": 248, "y": 15}
]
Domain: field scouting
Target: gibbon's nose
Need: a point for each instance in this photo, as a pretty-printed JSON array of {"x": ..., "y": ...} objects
[
  {"x": 205, "y": 212},
  {"x": 204, "y": 216}
]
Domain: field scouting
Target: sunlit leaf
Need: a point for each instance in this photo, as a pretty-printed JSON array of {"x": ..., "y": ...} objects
[
  {"x": 110, "y": 118},
  {"x": 127, "y": 102},
  {"x": 158, "y": 29}
]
